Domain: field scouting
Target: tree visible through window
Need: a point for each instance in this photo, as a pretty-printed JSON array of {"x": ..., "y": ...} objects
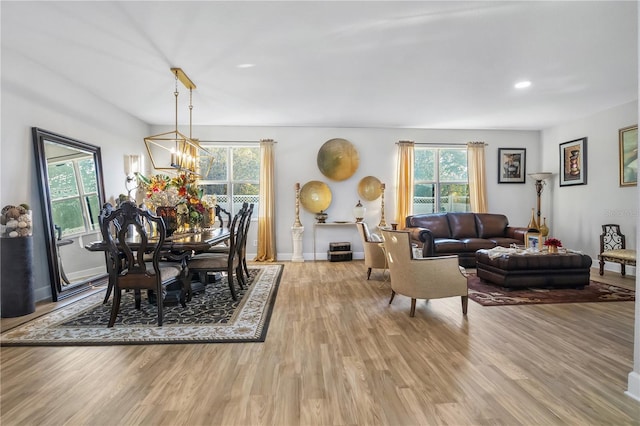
[
  {"x": 74, "y": 195},
  {"x": 234, "y": 175},
  {"x": 441, "y": 183}
]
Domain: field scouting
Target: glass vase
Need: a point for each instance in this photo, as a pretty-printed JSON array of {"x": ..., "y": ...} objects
[
  {"x": 170, "y": 216},
  {"x": 544, "y": 229}
]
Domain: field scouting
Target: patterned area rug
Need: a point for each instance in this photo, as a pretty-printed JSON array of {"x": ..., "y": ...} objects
[
  {"x": 210, "y": 317},
  {"x": 491, "y": 295}
]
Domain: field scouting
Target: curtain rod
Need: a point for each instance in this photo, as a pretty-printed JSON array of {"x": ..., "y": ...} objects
[{"x": 441, "y": 144}]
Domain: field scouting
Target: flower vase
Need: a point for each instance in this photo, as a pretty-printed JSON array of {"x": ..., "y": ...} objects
[
  {"x": 183, "y": 223},
  {"x": 552, "y": 249},
  {"x": 195, "y": 223},
  {"x": 170, "y": 216},
  {"x": 544, "y": 229},
  {"x": 533, "y": 224}
]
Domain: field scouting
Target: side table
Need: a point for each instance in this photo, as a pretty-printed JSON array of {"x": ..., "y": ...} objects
[{"x": 16, "y": 277}]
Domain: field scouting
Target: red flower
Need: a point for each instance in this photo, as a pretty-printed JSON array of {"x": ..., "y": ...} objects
[{"x": 554, "y": 242}]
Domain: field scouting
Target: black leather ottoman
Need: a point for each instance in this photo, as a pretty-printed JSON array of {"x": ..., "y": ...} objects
[{"x": 558, "y": 270}]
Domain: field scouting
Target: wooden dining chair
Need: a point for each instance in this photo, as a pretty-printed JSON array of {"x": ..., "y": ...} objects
[
  {"x": 242, "y": 241},
  {"x": 113, "y": 259},
  {"x": 126, "y": 250},
  {"x": 229, "y": 261}
]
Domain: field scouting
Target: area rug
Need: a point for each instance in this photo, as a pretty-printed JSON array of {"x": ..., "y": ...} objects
[
  {"x": 212, "y": 316},
  {"x": 491, "y": 295}
]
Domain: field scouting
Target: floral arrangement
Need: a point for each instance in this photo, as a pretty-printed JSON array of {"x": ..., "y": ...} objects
[
  {"x": 553, "y": 242},
  {"x": 159, "y": 191},
  {"x": 181, "y": 192}
]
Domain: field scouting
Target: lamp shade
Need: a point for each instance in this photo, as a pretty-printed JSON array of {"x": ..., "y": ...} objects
[
  {"x": 541, "y": 175},
  {"x": 132, "y": 164}
]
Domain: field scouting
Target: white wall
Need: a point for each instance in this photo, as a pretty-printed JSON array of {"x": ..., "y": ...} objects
[
  {"x": 296, "y": 161},
  {"x": 578, "y": 212},
  {"x": 33, "y": 97}
]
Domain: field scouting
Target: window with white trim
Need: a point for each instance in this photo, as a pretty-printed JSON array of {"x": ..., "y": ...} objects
[
  {"x": 440, "y": 180},
  {"x": 233, "y": 176}
]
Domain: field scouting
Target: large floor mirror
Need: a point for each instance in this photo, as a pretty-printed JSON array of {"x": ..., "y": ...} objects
[{"x": 72, "y": 191}]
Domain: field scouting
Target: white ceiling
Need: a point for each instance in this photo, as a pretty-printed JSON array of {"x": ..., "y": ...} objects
[{"x": 418, "y": 64}]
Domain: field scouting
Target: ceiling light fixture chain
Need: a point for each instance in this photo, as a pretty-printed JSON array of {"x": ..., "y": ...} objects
[{"x": 183, "y": 153}]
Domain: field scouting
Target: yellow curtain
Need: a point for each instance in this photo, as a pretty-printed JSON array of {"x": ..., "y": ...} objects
[
  {"x": 404, "y": 181},
  {"x": 477, "y": 177},
  {"x": 267, "y": 207}
]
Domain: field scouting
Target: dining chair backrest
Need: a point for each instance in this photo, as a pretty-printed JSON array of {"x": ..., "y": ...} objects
[
  {"x": 129, "y": 221},
  {"x": 236, "y": 232},
  {"x": 128, "y": 246},
  {"x": 218, "y": 212},
  {"x": 242, "y": 249}
]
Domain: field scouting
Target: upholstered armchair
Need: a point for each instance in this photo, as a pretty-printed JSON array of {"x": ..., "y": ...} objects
[
  {"x": 373, "y": 253},
  {"x": 423, "y": 278}
]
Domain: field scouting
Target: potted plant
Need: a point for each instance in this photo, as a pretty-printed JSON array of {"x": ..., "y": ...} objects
[{"x": 553, "y": 244}]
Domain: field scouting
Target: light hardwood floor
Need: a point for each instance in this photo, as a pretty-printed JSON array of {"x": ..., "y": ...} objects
[{"x": 337, "y": 354}]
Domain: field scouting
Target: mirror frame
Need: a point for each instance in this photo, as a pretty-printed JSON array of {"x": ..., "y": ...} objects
[{"x": 39, "y": 138}]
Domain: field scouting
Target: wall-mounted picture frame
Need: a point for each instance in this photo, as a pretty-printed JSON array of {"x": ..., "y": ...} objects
[
  {"x": 628, "y": 140},
  {"x": 512, "y": 164},
  {"x": 534, "y": 240},
  {"x": 573, "y": 162}
]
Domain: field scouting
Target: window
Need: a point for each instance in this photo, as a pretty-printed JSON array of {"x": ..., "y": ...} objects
[
  {"x": 234, "y": 175},
  {"x": 440, "y": 180},
  {"x": 74, "y": 196}
]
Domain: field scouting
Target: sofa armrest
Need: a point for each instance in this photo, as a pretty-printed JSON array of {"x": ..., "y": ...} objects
[
  {"x": 516, "y": 232},
  {"x": 415, "y": 234},
  {"x": 425, "y": 237}
]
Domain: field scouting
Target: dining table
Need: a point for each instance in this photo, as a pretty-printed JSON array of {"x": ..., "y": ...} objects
[{"x": 177, "y": 243}]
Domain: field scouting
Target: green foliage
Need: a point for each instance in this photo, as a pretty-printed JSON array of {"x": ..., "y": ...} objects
[{"x": 440, "y": 180}]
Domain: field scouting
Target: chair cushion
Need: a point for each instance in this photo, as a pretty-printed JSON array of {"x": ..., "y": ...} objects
[
  {"x": 169, "y": 271},
  {"x": 622, "y": 254}
]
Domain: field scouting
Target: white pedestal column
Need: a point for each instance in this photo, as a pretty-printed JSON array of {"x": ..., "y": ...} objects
[{"x": 296, "y": 233}]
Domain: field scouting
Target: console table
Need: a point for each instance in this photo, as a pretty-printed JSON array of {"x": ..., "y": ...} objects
[{"x": 326, "y": 225}]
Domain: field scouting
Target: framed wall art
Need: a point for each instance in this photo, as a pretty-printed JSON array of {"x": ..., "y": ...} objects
[
  {"x": 573, "y": 162},
  {"x": 512, "y": 163},
  {"x": 628, "y": 139}
]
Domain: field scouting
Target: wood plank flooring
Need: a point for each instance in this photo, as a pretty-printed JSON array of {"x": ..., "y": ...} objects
[{"x": 337, "y": 354}]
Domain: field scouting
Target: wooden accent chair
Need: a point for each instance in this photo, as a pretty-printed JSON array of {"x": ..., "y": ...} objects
[
  {"x": 225, "y": 261},
  {"x": 613, "y": 248},
  {"x": 242, "y": 242},
  {"x": 127, "y": 253},
  {"x": 373, "y": 254},
  {"x": 423, "y": 278}
]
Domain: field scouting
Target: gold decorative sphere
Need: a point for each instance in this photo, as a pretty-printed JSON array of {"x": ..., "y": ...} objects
[
  {"x": 370, "y": 188},
  {"x": 338, "y": 159},
  {"x": 315, "y": 196}
]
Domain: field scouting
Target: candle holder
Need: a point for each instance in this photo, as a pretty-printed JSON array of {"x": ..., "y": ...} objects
[{"x": 383, "y": 222}]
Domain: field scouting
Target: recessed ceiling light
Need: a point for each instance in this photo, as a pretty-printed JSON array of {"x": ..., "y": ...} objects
[
  {"x": 522, "y": 84},
  {"x": 245, "y": 65}
]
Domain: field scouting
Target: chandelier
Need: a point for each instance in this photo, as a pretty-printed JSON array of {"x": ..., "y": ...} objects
[{"x": 173, "y": 150}]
